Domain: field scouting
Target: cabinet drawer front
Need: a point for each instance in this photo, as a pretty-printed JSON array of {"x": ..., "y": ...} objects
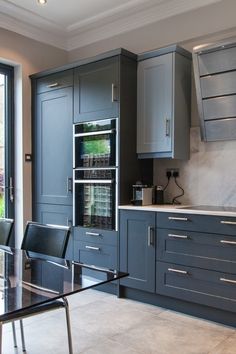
[
  {"x": 218, "y": 61},
  {"x": 202, "y": 250},
  {"x": 94, "y": 254},
  {"x": 209, "y": 288},
  {"x": 219, "y": 107},
  {"x": 55, "y": 81},
  {"x": 220, "y": 129},
  {"x": 197, "y": 222},
  {"x": 96, "y": 236},
  {"x": 218, "y": 85}
]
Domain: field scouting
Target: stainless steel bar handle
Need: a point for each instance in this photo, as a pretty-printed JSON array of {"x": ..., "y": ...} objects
[
  {"x": 228, "y": 222},
  {"x": 11, "y": 189},
  {"x": 228, "y": 242},
  {"x": 178, "y": 236},
  {"x": 177, "y": 218},
  {"x": 225, "y": 280},
  {"x": 167, "y": 127},
  {"x": 113, "y": 93},
  {"x": 101, "y": 132},
  {"x": 92, "y": 248},
  {"x": 150, "y": 236},
  {"x": 92, "y": 181},
  {"x": 55, "y": 84},
  {"x": 92, "y": 233},
  {"x": 177, "y": 271},
  {"x": 69, "y": 184}
]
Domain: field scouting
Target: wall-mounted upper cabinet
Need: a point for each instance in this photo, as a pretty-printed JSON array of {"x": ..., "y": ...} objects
[
  {"x": 215, "y": 79},
  {"x": 96, "y": 90},
  {"x": 164, "y": 93}
]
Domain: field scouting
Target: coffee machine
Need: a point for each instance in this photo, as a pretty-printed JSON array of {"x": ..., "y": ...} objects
[{"x": 142, "y": 195}]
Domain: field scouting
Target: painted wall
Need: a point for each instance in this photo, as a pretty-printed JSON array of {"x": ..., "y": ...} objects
[{"x": 27, "y": 56}]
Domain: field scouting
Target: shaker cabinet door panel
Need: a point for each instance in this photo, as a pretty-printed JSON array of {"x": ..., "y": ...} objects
[
  {"x": 155, "y": 94},
  {"x": 53, "y": 147},
  {"x": 96, "y": 91},
  {"x": 137, "y": 249}
]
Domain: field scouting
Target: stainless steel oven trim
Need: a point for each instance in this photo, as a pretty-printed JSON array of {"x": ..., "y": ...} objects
[
  {"x": 95, "y": 168},
  {"x": 94, "y": 181},
  {"x": 99, "y": 132}
]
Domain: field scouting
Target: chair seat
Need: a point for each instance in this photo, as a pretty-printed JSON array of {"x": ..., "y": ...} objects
[{"x": 48, "y": 306}]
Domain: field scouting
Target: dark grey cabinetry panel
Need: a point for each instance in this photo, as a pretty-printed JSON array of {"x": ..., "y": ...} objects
[
  {"x": 96, "y": 90},
  {"x": 53, "y": 147},
  {"x": 137, "y": 249},
  {"x": 100, "y": 255},
  {"x": 214, "y": 70},
  {"x": 223, "y": 225},
  {"x": 95, "y": 246},
  {"x": 215, "y": 289},
  {"x": 196, "y": 259},
  {"x": 197, "y": 249},
  {"x": 58, "y": 215},
  {"x": 164, "y": 86}
]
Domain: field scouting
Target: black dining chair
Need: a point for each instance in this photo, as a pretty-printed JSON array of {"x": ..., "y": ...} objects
[
  {"x": 45, "y": 240},
  {"x": 6, "y": 226}
]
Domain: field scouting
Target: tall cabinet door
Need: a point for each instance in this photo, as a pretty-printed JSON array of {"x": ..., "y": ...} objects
[
  {"x": 155, "y": 96},
  {"x": 137, "y": 249},
  {"x": 96, "y": 91},
  {"x": 53, "y": 147}
]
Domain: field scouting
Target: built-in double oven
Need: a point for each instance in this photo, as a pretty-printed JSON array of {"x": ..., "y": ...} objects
[{"x": 95, "y": 161}]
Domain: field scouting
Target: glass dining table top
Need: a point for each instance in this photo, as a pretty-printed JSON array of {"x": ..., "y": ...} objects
[{"x": 28, "y": 279}]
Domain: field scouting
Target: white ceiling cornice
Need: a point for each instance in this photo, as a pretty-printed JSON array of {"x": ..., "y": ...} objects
[
  {"x": 128, "y": 16},
  {"x": 155, "y": 13}
]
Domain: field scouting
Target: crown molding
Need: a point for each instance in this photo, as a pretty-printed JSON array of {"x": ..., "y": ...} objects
[
  {"x": 165, "y": 9},
  {"x": 38, "y": 34},
  {"x": 124, "y": 18}
]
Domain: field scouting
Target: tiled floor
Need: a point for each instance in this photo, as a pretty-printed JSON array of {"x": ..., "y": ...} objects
[{"x": 104, "y": 324}]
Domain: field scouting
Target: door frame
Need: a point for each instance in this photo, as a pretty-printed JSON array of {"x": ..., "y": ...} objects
[{"x": 9, "y": 138}]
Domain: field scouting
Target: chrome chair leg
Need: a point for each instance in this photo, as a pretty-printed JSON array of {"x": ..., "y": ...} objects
[
  {"x": 14, "y": 334},
  {"x": 68, "y": 325},
  {"x": 22, "y": 336}
]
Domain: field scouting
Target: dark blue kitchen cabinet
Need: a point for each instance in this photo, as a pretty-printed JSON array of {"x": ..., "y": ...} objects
[
  {"x": 53, "y": 147},
  {"x": 52, "y": 150},
  {"x": 96, "y": 90},
  {"x": 137, "y": 249}
]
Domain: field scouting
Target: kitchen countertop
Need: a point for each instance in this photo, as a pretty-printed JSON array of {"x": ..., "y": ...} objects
[{"x": 185, "y": 209}]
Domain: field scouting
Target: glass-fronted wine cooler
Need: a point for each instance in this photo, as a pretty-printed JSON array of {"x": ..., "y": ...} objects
[{"x": 95, "y": 175}]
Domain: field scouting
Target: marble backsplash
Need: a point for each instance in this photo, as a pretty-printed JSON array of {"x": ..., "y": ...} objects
[{"x": 208, "y": 177}]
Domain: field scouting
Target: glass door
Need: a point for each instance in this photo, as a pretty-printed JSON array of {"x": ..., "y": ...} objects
[{"x": 6, "y": 142}]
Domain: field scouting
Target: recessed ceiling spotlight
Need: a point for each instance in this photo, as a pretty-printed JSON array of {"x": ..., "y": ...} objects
[{"x": 42, "y": 2}]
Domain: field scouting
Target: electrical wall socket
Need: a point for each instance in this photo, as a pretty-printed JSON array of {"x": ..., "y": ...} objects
[{"x": 172, "y": 171}]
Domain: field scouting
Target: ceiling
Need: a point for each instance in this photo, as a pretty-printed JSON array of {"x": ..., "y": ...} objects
[{"x": 70, "y": 24}]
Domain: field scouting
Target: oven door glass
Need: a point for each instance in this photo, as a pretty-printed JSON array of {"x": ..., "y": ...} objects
[
  {"x": 95, "y": 148},
  {"x": 95, "y": 204}
]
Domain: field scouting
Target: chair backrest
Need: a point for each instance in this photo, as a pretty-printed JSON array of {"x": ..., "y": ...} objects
[
  {"x": 46, "y": 239},
  {"x": 6, "y": 226}
]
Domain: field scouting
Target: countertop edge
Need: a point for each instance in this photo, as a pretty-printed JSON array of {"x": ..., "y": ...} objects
[{"x": 176, "y": 209}]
